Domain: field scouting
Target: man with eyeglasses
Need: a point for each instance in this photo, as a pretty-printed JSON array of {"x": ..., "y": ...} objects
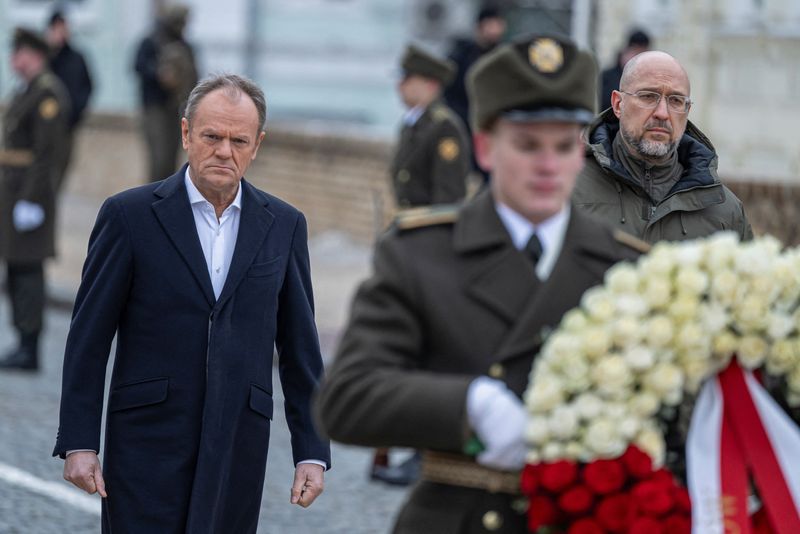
[{"x": 649, "y": 170}]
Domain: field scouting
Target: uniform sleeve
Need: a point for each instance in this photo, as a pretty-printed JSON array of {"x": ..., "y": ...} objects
[
  {"x": 745, "y": 231},
  {"x": 377, "y": 392},
  {"x": 49, "y": 127},
  {"x": 451, "y": 162},
  {"x": 300, "y": 361},
  {"x": 101, "y": 298}
]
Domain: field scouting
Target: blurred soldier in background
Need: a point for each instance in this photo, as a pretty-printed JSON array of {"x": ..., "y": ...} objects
[
  {"x": 489, "y": 29},
  {"x": 431, "y": 162},
  {"x": 638, "y": 42},
  {"x": 31, "y": 160},
  {"x": 442, "y": 337},
  {"x": 70, "y": 67},
  {"x": 167, "y": 73}
]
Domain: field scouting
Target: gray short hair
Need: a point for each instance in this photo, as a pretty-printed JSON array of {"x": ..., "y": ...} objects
[{"x": 233, "y": 85}]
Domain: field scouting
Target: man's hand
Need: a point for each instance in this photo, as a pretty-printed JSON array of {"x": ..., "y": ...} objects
[
  {"x": 308, "y": 484},
  {"x": 83, "y": 470},
  {"x": 498, "y": 418}
]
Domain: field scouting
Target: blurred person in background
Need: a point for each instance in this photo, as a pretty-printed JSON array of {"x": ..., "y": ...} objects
[
  {"x": 201, "y": 277},
  {"x": 442, "y": 337},
  {"x": 165, "y": 64},
  {"x": 70, "y": 67},
  {"x": 649, "y": 170},
  {"x": 431, "y": 160},
  {"x": 490, "y": 26},
  {"x": 638, "y": 42},
  {"x": 31, "y": 159}
]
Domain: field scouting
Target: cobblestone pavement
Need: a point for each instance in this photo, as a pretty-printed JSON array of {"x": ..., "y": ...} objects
[{"x": 29, "y": 412}]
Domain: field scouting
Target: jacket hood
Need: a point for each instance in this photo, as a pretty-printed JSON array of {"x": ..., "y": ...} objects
[{"x": 695, "y": 152}]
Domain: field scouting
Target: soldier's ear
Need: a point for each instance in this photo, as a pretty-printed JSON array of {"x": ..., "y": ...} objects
[{"x": 482, "y": 142}]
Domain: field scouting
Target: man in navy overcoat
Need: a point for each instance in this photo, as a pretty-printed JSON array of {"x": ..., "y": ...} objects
[{"x": 200, "y": 276}]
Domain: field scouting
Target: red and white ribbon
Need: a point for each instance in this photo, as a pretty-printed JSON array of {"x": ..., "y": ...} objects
[{"x": 738, "y": 429}]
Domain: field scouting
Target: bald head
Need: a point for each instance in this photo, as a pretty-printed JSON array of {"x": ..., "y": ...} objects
[{"x": 652, "y": 69}]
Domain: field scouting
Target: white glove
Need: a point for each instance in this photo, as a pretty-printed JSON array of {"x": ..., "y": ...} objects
[
  {"x": 498, "y": 418},
  {"x": 27, "y": 216}
]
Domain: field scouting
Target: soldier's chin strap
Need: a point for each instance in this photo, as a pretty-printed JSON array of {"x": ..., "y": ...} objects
[{"x": 737, "y": 429}]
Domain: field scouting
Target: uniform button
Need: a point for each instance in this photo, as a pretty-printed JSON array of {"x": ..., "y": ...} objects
[
  {"x": 496, "y": 370},
  {"x": 403, "y": 176},
  {"x": 492, "y": 520}
]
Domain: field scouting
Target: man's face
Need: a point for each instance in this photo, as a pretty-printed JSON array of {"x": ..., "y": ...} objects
[
  {"x": 26, "y": 62},
  {"x": 491, "y": 30},
  {"x": 415, "y": 90},
  {"x": 652, "y": 133},
  {"x": 57, "y": 34},
  {"x": 222, "y": 141},
  {"x": 533, "y": 165}
]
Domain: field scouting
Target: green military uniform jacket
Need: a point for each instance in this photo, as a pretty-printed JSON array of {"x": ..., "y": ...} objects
[
  {"x": 31, "y": 158},
  {"x": 698, "y": 205},
  {"x": 432, "y": 159},
  {"x": 447, "y": 303}
]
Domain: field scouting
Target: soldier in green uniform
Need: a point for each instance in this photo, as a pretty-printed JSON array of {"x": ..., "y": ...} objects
[
  {"x": 34, "y": 129},
  {"x": 442, "y": 336},
  {"x": 432, "y": 159}
]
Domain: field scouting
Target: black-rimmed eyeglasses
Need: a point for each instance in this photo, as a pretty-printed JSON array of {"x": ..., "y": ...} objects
[{"x": 651, "y": 99}]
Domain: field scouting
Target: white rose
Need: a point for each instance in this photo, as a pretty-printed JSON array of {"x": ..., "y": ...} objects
[
  {"x": 639, "y": 357},
  {"x": 725, "y": 287},
  {"x": 622, "y": 278},
  {"x": 612, "y": 376},
  {"x": 537, "y": 431},
  {"x": 544, "y": 395},
  {"x": 664, "y": 378},
  {"x": 683, "y": 308},
  {"x": 725, "y": 343},
  {"x": 751, "y": 312},
  {"x": 697, "y": 371},
  {"x": 563, "y": 422},
  {"x": 574, "y": 320},
  {"x": 534, "y": 456},
  {"x": 780, "y": 325},
  {"x": 599, "y": 304},
  {"x": 574, "y": 450},
  {"x": 714, "y": 317},
  {"x": 782, "y": 357},
  {"x": 588, "y": 405},
  {"x": 693, "y": 339},
  {"x": 552, "y": 451},
  {"x": 691, "y": 280},
  {"x": 659, "y": 263},
  {"x": 720, "y": 250},
  {"x": 651, "y": 442},
  {"x": 602, "y": 437},
  {"x": 596, "y": 341},
  {"x": 560, "y": 345},
  {"x": 689, "y": 253},
  {"x": 615, "y": 410},
  {"x": 659, "y": 331},
  {"x": 629, "y": 426},
  {"x": 625, "y": 331},
  {"x": 672, "y": 397},
  {"x": 644, "y": 404},
  {"x": 630, "y": 304},
  {"x": 794, "y": 379},
  {"x": 657, "y": 292},
  {"x": 574, "y": 371},
  {"x": 751, "y": 351}
]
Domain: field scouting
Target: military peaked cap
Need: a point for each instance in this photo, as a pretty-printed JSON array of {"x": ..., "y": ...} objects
[
  {"x": 539, "y": 78},
  {"x": 419, "y": 62},
  {"x": 23, "y": 37}
]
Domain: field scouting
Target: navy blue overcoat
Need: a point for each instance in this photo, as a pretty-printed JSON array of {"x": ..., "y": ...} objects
[{"x": 190, "y": 403}]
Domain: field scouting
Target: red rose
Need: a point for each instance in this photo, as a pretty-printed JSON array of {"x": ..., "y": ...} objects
[
  {"x": 613, "y": 512},
  {"x": 604, "y": 476},
  {"x": 542, "y": 511},
  {"x": 558, "y": 476},
  {"x": 585, "y": 526},
  {"x": 637, "y": 463},
  {"x": 678, "y": 524},
  {"x": 576, "y": 500},
  {"x": 663, "y": 478},
  {"x": 652, "y": 497},
  {"x": 529, "y": 481},
  {"x": 645, "y": 525},
  {"x": 682, "y": 501}
]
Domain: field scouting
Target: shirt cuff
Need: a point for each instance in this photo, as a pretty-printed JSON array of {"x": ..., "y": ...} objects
[
  {"x": 79, "y": 450},
  {"x": 315, "y": 462}
]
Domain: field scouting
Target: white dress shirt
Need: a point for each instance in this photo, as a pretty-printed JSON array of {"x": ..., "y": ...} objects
[
  {"x": 550, "y": 232},
  {"x": 411, "y": 116}
]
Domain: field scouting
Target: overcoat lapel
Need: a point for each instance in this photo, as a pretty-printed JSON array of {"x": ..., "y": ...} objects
[
  {"x": 576, "y": 270},
  {"x": 175, "y": 215},
  {"x": 497, "y": 275},
  {"x": 254, "y": 224}
]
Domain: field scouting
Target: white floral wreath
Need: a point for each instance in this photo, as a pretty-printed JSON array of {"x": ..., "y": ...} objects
[{"x": 655, "y": 330}]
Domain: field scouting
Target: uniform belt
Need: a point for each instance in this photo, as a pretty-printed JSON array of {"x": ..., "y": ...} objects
[{"x": 459, "y": 470}]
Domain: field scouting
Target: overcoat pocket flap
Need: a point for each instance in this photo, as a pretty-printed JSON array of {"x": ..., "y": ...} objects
[
  {"x": 257, "y": 270},
  {"x": 260, "y": 401},
  {"x": 137, "y": 394}
]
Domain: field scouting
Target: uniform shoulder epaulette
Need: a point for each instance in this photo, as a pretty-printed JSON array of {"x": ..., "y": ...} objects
[
  {"x": 426, "y": 216},
  {"x": 632, "y": 241},
  {"x": 440, "y": 113}
]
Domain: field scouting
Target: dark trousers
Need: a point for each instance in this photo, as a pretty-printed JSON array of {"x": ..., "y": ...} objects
[
  {"x": 162, "y": 133},
  {"x": 26, "y": 291}
]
